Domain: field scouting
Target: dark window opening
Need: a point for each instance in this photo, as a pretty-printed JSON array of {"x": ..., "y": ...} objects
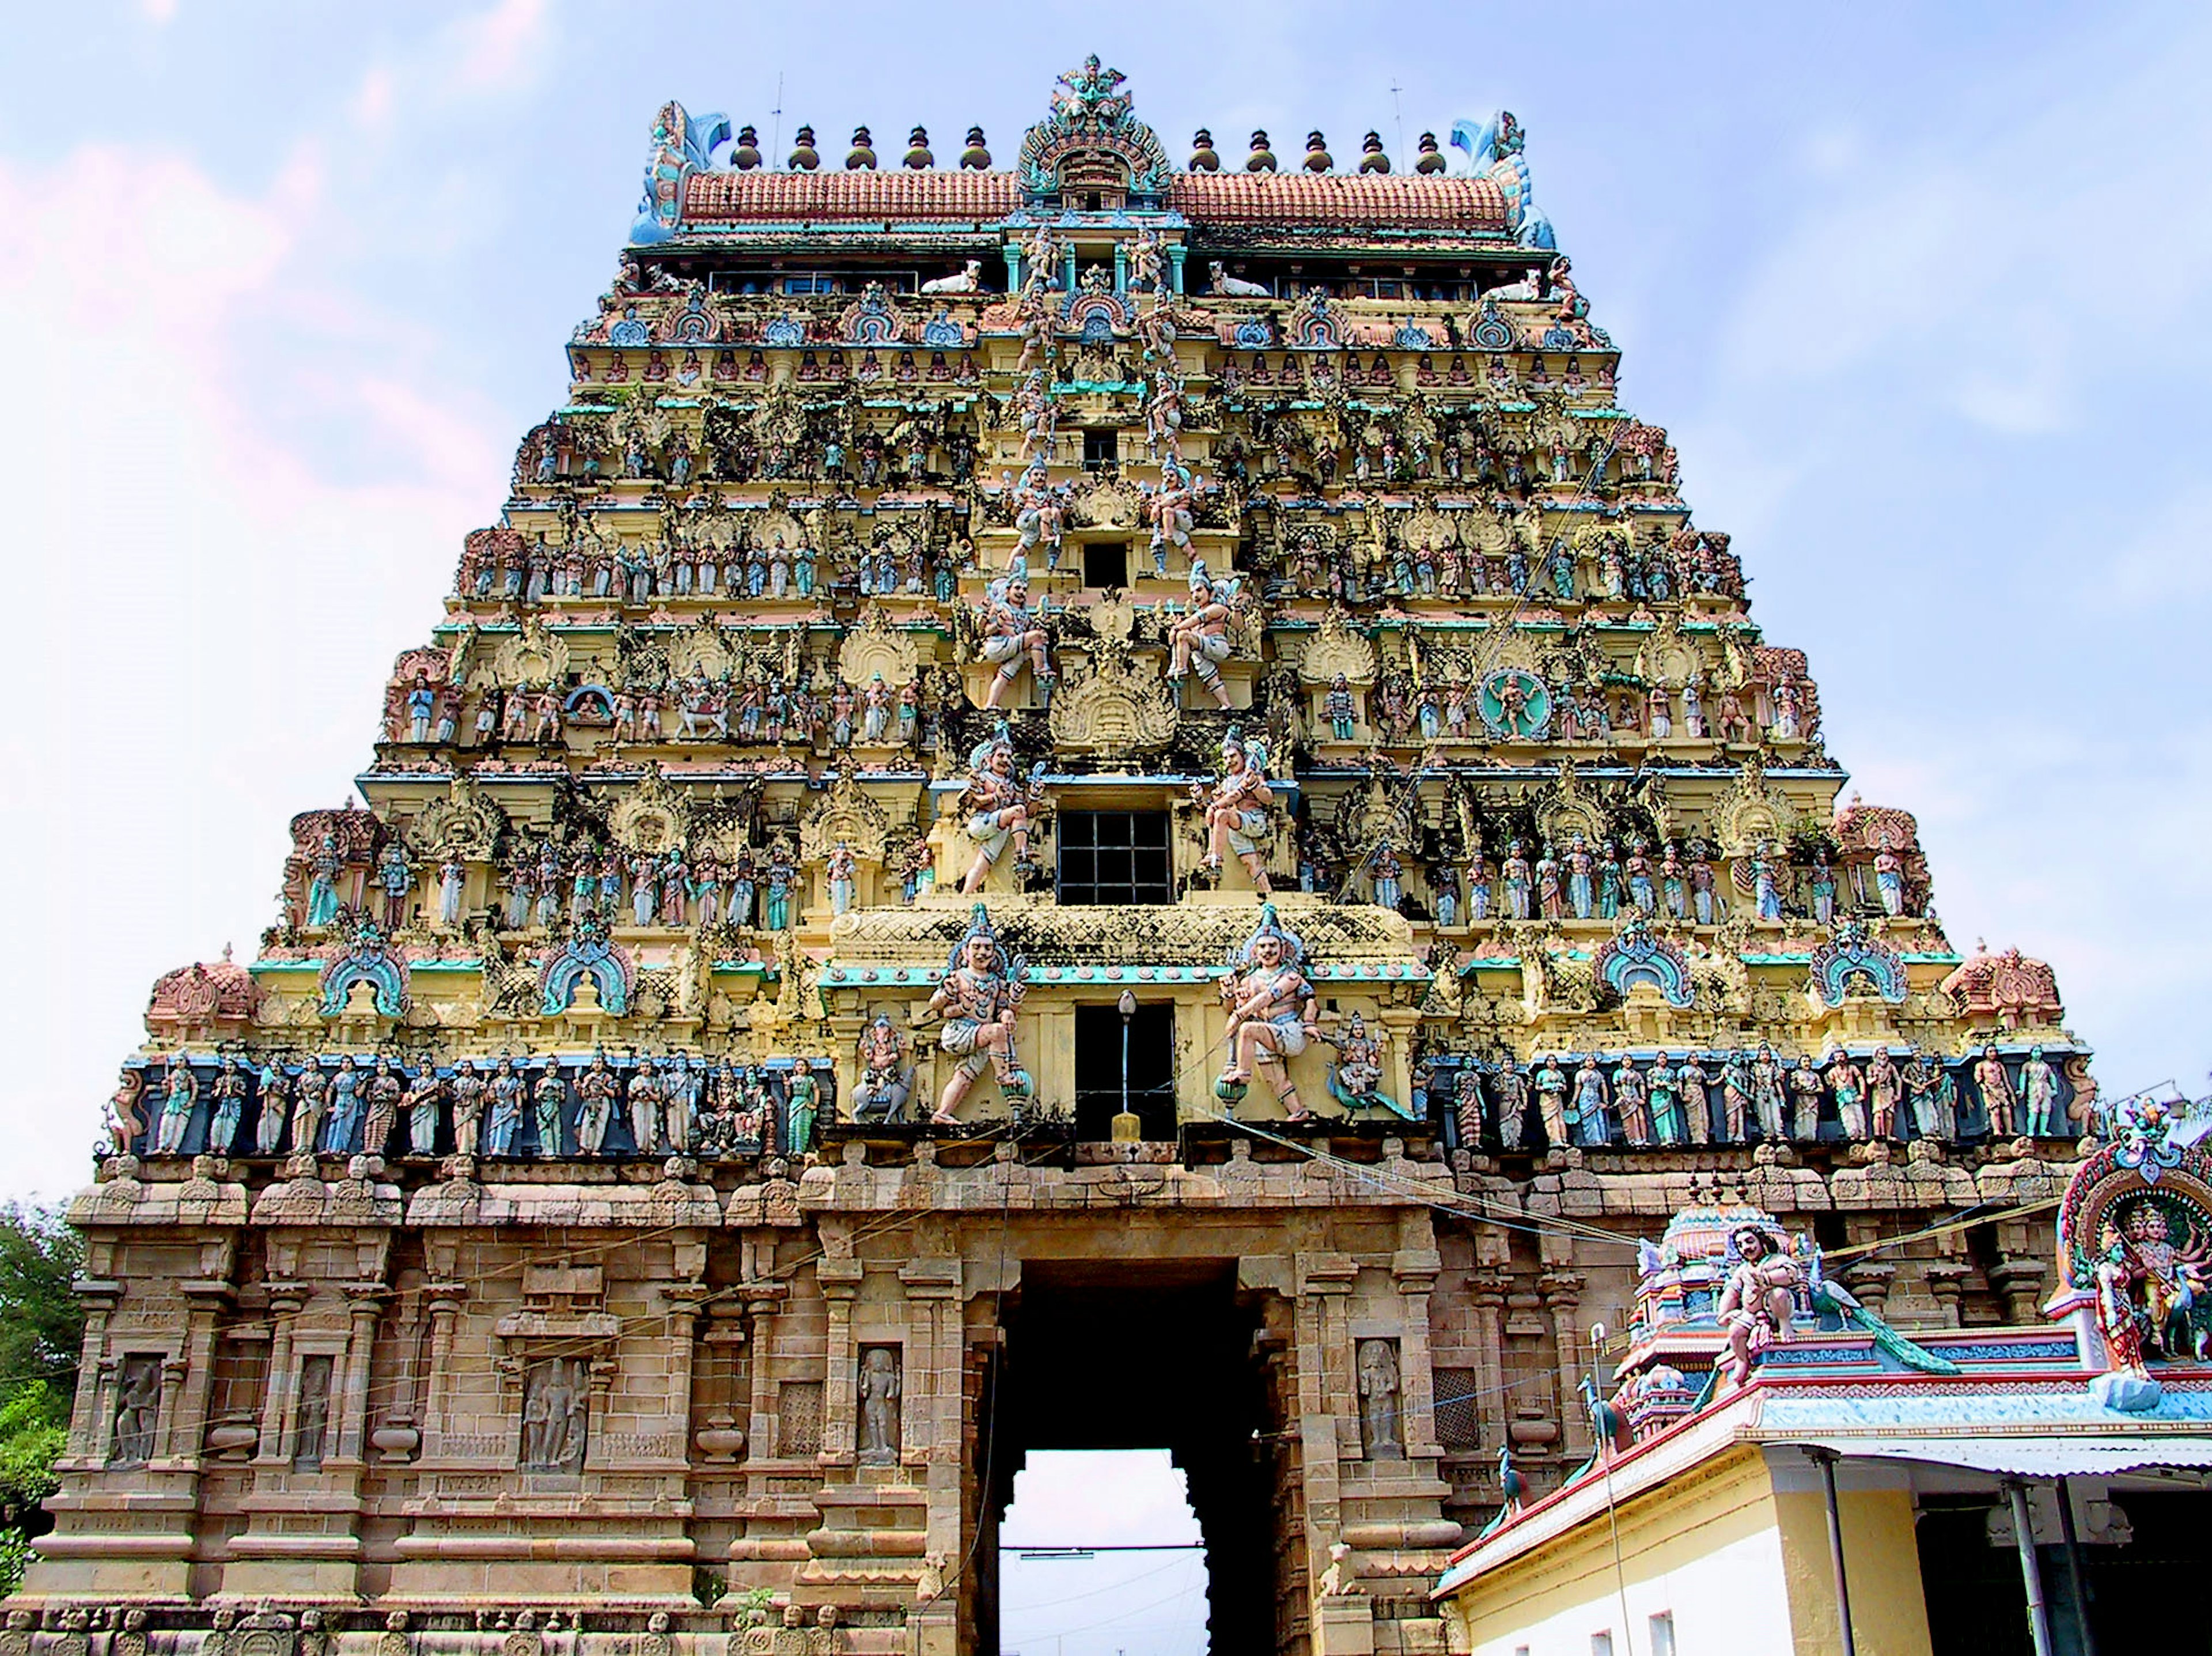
[
  {"x": 1099, "y": 1054},
  {"x": 1101, "y": 447},
  {"x": 1115, "y": 856},
  {"x": 1106, "y": 563}
]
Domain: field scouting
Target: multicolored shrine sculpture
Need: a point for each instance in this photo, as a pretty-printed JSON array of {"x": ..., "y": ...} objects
[{"x": 800, "y": 956}]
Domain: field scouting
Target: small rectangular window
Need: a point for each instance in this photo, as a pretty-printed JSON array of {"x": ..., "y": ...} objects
[
  {"x": 1663, "y": 1634},
  {"x": 1601, "y": 1642},
  {"x": 1106, "y": 563},
  {"x": 1115, "y": 856},
  {"x": 1101, "y": 447}
]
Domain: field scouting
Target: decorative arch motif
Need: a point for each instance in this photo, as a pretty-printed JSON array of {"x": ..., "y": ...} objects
[
  {"x": 1634, "y": 956},
  {"x": 872, "y": 320},
  {"x": 941, "y": 332},
  {"x": 1092, "y": 139},
  {"x": 364, "y": 956},
  {"x": 1413, "y": 337},
  {"x": 1338, "y": 648},
  {"x": 589, "y": 953},
  {"x": 1095, "y": 315},
  {"x": 1493, "y": 332},
  {"x": 651, "y": 817},
  {"x": 784, "y": 332},
  {"x": 1854, "y": 953},
  {"x": 875, "y": 646},
  {"x": 847, "y": 814},
  {"x": 1253, "y": 333},
  {"x": 691, "y": 323},
  {"x": 1314, "y": 325},
  {"x": 535, "y": 653},
  {"x": 464, "y": 822}
]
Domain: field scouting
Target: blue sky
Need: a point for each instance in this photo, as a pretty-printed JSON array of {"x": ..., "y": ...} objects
[{"x": 1920, "y": 292}]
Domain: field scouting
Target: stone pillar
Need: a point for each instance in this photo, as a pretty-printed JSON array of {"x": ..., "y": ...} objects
[
  {"x": 88, "y": 1419},
  {"x": 1012, "y": 255},
  {"x": 285, "y": 1299},
  {"x": 2019, "y": 1283},
  {"x": 841, "y": 1283},
  {"x": 188, "y": 1433},
  {"x": 351, "y": 1404},
  {"x": 1946, "y": 1283},
  {"x": 934, "y": 1393},
  {"x": 1122, "y": 267},
  {"x": 1562, "y": 1297},
  {"x": 1485, "y": 1292},
  {"x": 1176, "y": 252},
  {"x": 1328, "y": 1403},
  {"x": 445, "y": 1306},
  {"x": 1414, "y": 1272}
]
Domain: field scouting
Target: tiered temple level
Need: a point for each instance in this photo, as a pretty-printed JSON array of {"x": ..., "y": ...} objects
[{"x": 818, "y": 860}]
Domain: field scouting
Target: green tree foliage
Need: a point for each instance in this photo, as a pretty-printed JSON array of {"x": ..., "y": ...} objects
[{"x": 41, "y": 1329}]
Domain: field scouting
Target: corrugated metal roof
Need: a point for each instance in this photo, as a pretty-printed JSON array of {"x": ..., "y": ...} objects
[{"x": 2030, "y": 1457}]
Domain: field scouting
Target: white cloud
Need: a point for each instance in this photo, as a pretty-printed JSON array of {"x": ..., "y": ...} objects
[
  {"x": 216, "y": 611},
  {"x": 500, "y": 49}
]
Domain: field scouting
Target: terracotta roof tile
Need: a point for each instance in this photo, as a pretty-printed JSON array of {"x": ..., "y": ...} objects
[
  {"x": 1395, "y": 201},
  {"x": 1389, "y": 201},
  {"x": 734, "y": 197}
]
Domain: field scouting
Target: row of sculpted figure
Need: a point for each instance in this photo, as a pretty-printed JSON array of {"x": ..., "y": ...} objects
[
  {"x": 504, "y": 1107},
  {"x": 727, "y": 709},
  {"x": 1739, "y": 1097},
  {"x": 612, "y": 571}
]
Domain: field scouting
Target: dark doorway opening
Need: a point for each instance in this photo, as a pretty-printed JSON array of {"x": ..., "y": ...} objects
[
  {"x": 1098, "y": 1054},
  {"x": 1102, "y": 446},
  {"x": 1138, "y": 1354},
  {"x": 1106, "y": 563}
]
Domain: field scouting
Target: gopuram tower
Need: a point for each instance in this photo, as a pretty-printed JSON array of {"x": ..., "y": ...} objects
[{"x": 1103, "y": 804}]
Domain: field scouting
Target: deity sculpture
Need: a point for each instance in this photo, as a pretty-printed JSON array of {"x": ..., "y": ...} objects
[
  {"x": 504, "y": 1124},
  {"x": 1805, "y": 1089},
  {"x": 1759, "y": 1305},
  {"x": 1511, "y": 1087},
  {"x": 1198, "y": 639},
  {"x": 1237, "y": 809},
  {"x": 548, "y": 1104},
  {"x": 1767, "y": 1086},
  {"x": 381, "y": 1095},
  {"x": 598, "y": 1091},
  {"x": 1932, "y": 1096},
  {"x": 343, "y": 1122},
  {"x": 2039, "y": 1097},
  {"x": 179, "y": 1096},
  {"x": 978, "y": 999},
  {"x": 1551, "y": 1083},
  {"x": 1691, "y": 1078},
  {"x": 1884, "y": 1089},
  {"x": 228, "y": 1096},
  {"x": 1631, "y": 1100},
  {"x": 1381, "y": 1434},
  {"x": 468, "y": 1088},
  {"x": 802, "y": 1107},
  {"x": 1848, "y": 1082},
  {"x": 2154, "y": 1288},
  {"x": 879, "y": 1392},
  {"x": 310, "y": 1103},
  {"x": 1587, "y": 1112},
  {"x": 1013, "y": 636},
  {"x": 1271, "y": 1012},
  {"x": 997, "y": 805},
  {"x": 271, "y": 1083},
  {"x": 886, "y": 1078},
  {"x": 1995, "y": 1088},
  {"x": 642, "y": 1099},
  {"x": 1168, "y": 509},
  {"x": 841, "y": 869}
]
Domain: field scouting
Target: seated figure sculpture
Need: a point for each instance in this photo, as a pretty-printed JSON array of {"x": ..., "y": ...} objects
[
  {"x": 1237, "y": 808},
  {"x": 1271, "y": 1011}
]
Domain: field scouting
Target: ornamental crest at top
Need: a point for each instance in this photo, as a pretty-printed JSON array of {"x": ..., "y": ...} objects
[{"x": 1092, "y": 142}]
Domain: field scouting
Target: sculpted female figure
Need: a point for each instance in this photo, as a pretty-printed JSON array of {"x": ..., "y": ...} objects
[
  {"x": 1272, "y": 1010},
  {"x": 978, "y": 999}
]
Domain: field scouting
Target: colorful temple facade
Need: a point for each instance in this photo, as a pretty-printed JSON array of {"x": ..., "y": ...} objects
[{"x": 1112, "y": 803}]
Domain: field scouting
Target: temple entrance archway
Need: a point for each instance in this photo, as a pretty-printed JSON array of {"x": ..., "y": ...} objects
[{"x": 1143, "y": 1354}]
